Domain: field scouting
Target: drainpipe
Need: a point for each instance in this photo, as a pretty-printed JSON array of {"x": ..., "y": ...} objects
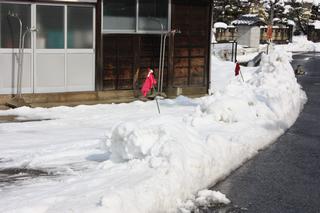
[{"x": 17, "y": 100}]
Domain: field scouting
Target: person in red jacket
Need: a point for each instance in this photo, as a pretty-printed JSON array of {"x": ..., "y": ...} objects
[
  {"x": 237, "y": 69},
  {"x": 149, "y": 83}
]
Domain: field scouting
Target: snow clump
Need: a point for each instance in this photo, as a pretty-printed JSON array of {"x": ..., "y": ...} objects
[{"x": 204, "y": 198}]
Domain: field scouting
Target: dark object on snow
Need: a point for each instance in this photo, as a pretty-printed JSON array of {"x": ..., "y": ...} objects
[
  {"x": 299, "y": 70},
  {"x": 255, "y": 61},
  {"x": 237, "y": 69}
]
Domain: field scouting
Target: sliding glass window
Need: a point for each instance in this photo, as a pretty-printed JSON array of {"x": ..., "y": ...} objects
[
  {"x": 9, "y": 24},
  {"x": 50, "y": 25},
  {"x": 80, "y": 27},
  {"x": 153, "y": 15},
  {"x": 119, "y": 15},
  {"x": 135, "y": 16}
]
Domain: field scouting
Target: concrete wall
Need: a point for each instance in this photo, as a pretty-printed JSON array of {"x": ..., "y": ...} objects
[
  {"x": 249, "y": 36},
  {"x": 254, "y": 36}
]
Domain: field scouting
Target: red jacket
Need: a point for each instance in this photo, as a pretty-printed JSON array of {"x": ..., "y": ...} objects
[
  {"x": 237, "y": 69},
  {"x": 148, "y": 84}
]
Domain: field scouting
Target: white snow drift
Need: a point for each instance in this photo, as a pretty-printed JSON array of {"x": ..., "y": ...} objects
[{"x": 126, "y": 158}]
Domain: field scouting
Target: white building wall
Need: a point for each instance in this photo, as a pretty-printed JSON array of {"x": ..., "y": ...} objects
[
  {"x": 248, "y": 36},
  {"x": 254, "y": 37},
  {"x": 9, "y": 70},
  {"x": 48, "y": 70},
  {"x": 243, "y": 35}
]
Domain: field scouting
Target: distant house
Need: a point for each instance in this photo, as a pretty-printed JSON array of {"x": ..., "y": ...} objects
[
  {"x": 224, "y": 33},
  {"x": 280, "y": 34},
  {"x": 248, "y": 29},
  {"x": 314, "y": 31},
  {"x": 252, "y": 31},
  {"x": 95, "y": 47}
]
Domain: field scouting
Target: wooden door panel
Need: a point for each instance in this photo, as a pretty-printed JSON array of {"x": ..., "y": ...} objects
[{"x": 191, "y": 46}]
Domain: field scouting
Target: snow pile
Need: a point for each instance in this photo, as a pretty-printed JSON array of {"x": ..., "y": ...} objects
[
  {"x": 127, "y": 158},
  {"x": 267, "y": 103},
  {"x": 300, "y": 44},
  {"x": 221, "y": 73},
  {"x": 243, "y": 102},
  {"x": 129, "y": 142},
  {"x": 204, "y": 198},
  {"x": 247, "y": 57}
]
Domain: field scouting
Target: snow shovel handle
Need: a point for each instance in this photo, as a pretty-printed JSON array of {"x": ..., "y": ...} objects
[
  {"x": 156, "y": 100},
  {"x": 241, "y": 75}
]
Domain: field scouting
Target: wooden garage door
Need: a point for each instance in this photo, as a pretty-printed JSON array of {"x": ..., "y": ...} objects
[
  {"x": 190, "y": 64},
  {"x": 123, "y": 55},
  {"x": 118, "y": 61}
]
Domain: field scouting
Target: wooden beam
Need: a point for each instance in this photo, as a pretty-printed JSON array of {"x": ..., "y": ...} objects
[
  {"x": 99, "y": 48},
  {"x": 208, "y": 68}
]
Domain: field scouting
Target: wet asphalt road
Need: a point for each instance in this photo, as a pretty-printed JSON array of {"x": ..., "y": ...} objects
[{"x": 285, "y": 177}]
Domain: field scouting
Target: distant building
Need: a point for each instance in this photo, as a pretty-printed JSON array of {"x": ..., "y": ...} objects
[
  {"x": 314, "y": 31},
  {"x": 248, "y": 29},
  {"x": 280, "y": 34},
  {"x": 224, "y": 33}
]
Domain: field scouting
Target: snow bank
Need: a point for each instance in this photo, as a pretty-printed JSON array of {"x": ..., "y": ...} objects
[
  {"x": 300, "y": 44},
  {"x": 267, "y": 103},
  {"x": 130, "y": 142},
  {"x": 127, "y": 158}
]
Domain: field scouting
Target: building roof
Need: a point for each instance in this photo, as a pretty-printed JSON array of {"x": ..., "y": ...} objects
[{"x": 248, "y": 19}]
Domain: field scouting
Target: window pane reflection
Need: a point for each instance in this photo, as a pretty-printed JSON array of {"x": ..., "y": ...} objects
[
  {"x": 50, "y": 24},
  {"x": 153, "y": 15},
  {"x": 10, "y": 27},
  {"x": 80, "y": 27},
  {"x": 119, "y": 14}
]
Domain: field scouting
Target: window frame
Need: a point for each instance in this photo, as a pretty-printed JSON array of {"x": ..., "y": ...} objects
[
  {"x": 136, "y": 31},
  {"x": 15, "y": 49},
  {"x": 33, "y": 23},
  {"x": 67, "y": 27}
]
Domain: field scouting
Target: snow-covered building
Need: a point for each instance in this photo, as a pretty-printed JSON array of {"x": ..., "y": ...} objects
[
  {"x": 248, "y": 30},
  {"x": 224, "y": 33},
  {"x": 281, "y": 34},
  {"x": 314, "y": 31},
  {"x": 95, "y": 47}
]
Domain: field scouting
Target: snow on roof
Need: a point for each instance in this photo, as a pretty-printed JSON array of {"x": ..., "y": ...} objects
[
  {"x": 316, "y": 24},
  {"x": 248, "y": 19},
  {"x": 250, "y": 15},
  {"x": 291, "y": 22},
  {"x": 220, "y": 25}
]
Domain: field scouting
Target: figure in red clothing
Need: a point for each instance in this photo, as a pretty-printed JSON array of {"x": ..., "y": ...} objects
[
  {"x": 237, "y": 69},
  {"x": 149, "y": 83}
]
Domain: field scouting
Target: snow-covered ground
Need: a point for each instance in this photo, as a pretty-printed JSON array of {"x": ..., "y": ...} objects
[
  {"x": 300, "y": 44},
  {"x": 128, "y": 158}
]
